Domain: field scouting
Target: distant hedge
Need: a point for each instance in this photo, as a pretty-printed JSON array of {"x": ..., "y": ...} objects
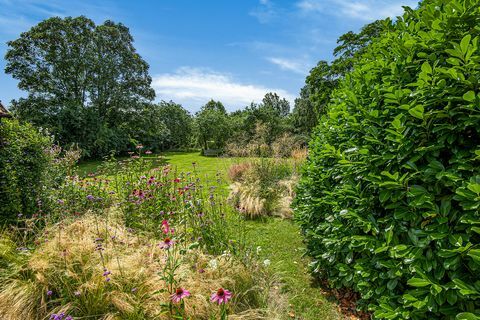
[{"x": 389, "y": 201}]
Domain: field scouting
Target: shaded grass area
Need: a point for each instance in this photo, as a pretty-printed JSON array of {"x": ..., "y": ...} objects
[{"x": 281, "y": 243}]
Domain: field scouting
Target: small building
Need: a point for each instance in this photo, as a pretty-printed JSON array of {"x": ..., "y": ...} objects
[{"x": 3, "y": 112}]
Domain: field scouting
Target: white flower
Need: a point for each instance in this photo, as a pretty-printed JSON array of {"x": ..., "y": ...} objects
[
  {"x": 266, "y": 262},
  {"x": 344, "y": 211},
  {"x": 213, "y": 264},
  {"x": 259, "y": 249}
]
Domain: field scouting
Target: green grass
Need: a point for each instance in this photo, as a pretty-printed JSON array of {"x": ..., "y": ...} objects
[
  {"x": 280, "y": 240},
  {"x": 182, "y": 161}
]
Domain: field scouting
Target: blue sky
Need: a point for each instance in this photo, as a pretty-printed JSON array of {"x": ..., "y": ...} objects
[{"x": 231, "y": 50}]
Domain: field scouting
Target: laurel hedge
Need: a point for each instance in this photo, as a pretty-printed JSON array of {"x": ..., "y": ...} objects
[{"x": 390, "y": 196}]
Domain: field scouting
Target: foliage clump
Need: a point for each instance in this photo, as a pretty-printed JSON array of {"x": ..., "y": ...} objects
[
  {"x": 30, "y": 167},
  {"x": 263, "y": 187},
  {"x": 389, "y": 200}
]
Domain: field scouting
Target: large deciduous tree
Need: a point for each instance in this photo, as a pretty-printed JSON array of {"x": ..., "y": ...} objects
[
  {"x": 324, "y": 77},
  {"x": 212, "y": 125},
  {"x": 179, "y": 123},
  {"x": 83, "y": 80}
]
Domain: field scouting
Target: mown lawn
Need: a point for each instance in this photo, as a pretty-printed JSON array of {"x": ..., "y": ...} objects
[{"x": 279, "y": 241}]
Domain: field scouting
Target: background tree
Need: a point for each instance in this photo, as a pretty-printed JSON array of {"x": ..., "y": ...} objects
[
  {"x": 179, "y": 123},
  {"x": 325, "y": 77},
  {"x": 274, "y": 102},
  {"x": 83, "y": 81},
  {"x": 212, "y": 125}
]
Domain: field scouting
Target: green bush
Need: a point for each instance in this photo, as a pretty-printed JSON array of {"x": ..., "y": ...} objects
[
  {"x": 31, "y": 170},
  {"x": 23, "y": 162},
  {"x": 389, "y": 200}
]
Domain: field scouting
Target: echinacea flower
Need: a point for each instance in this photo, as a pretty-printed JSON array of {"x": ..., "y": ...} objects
[
  {"x": 179, "y": 294},
  {"x": 166, "y": 227},
  {"x": 221, "y": 296},
  {"x": 166, "y": 243},
  {"x": 148, "y": 152}
]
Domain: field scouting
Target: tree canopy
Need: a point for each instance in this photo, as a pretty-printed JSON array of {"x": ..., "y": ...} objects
[{"x": 83, "y": 80}]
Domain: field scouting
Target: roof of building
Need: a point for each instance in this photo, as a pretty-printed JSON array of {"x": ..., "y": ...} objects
[{"x": 3, "y": 112}]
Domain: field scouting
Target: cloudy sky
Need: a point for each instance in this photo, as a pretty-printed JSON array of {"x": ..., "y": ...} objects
[{"x": 229, "y": 50}]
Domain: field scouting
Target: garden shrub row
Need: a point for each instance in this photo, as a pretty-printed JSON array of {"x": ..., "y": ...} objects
[{"x": 389, "y": 201}]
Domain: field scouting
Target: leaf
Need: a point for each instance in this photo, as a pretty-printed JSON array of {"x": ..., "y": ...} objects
[
  {"x": 418, "y": 282},
  {"x": 475, "y": 255},
  {"x": 466, "y": 316},
  {"x": 392, "y": 284},
  {"x": 469, "y": 96},
  {"x": 426, "y": 67},
  {"x": 464, "y": 43},
  {"x": 417, "y": 112}
]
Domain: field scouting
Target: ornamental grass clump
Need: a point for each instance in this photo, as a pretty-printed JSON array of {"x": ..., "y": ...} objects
[
  {"x": 389, "y": 200},
  {"x": 67, "y": 274},
  {"x": 263, "y": 187}
]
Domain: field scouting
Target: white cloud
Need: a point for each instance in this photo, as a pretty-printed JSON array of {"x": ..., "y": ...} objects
[
  {"x": 264, "y": 12},
  {"x": 296, "y": 66},
  {"x": 193, "y": 87},
  {"x": 20, "y": 15},
  {"x": 367, "y": 10}
]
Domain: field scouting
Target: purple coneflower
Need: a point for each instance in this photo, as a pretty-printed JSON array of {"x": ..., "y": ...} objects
[
  {"x": 221, "y": 296},
  {"x": 179, "y": 294},
  {"x": 148, "y": 152},
  {"x": 166, "y": 244}
]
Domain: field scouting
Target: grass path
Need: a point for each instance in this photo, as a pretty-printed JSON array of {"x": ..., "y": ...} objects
[{"x": 279, "y": 241}]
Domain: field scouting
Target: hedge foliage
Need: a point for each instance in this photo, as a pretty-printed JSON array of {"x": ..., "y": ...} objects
[
  {"x": 390, "y": 197},
  {"x": 25, "y": 173}
]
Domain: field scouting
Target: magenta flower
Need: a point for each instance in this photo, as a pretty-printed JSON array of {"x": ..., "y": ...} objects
[
  {"x": 166, "y": 227},
  {"x": 221, "y": 296},
  {"x": 179, "y": 294}
]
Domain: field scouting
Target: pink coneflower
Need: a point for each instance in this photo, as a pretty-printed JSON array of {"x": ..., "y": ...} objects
[
  {"x": 148, "y": 152},
  {"x": 179, "y": 294},
  {"x": 221, "y": 296},
  {"x": 166, "y": 227},
  {"x": 166, "y": 243}
]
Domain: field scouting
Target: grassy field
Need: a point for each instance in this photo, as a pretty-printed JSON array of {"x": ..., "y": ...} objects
[{"x": 279, "y": 241}]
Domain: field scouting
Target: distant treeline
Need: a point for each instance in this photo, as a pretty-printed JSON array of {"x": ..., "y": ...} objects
[{"x": 87, "y": 85}]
